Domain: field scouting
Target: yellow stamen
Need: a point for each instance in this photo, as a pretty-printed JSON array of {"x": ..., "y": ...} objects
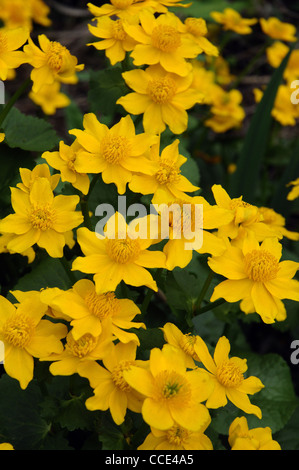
[
  {"x": 229, "y": 375},
  {"x": 115, "y": 148},
  {"x": 261, "y": 266},
  {"x": 168, "y": 173},
  {"x": 82, "y": 347},
  {"x": 161, "y": 90},
  {"x": 18, "y": 330},
  {"x": 55, "y": 56},
  {"x": 123, "y": 251},
  {"x": 42, "y": 218},
  {"x": 166, "y": 38},
  {"x": 102, "y": 305},
  {"x": 118, "y": 378}
]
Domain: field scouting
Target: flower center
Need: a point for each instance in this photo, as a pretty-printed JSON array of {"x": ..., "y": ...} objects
[
  {"x": 261, "y": 265},
  {"x": 187, "y": 342},
  {"x": 115, "y": 148},
  {"x": 18, "y": 330},
  {"x": 102, "y": 305},
  {"x": 123, "y": 251},
  {"x": 168, "y": 173},
  {"x": 173, "y": 387},
  {"x": 177, "y": 435},
  {"x": 82, "y": 347},
  {"x": 118, "y": 377},
  {"x": 161, "y": 90},
  {"x": 70, "y": 162},
  {"x": 55, "y": 56},
  {"x": 229, "y": 375},
  {"x": 166, "y": 38},
  {"x": 196, "y": 26},
  {"x": 122, "y": 4},
  {"x": 237, "y": 202},
  {"x": 42, "y": 218},
  {"x": 3, "y": 42},
  {"x": 118, "y": 31}
]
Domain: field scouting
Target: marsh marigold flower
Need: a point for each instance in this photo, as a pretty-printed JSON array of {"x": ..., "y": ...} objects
[
  {"x": 173, "y": 394},
  {"x": 6, "y": 446},
  {"x": 231, "y": 20},
  {"x": 26, "y": 335},
  {"x": 23, "y": 13},
  {"x": 177, "y": 438},
  {"x": 64, "y": 160},
  {"x": 227, "y": 376},
  {"x": 50, "y": 98},
  {"x": 28, "y": 177},
  {"x": 41, "y": 218},
  {"x": 166, "y": 179},
  {"x": 2, "y": 137},
  {"x": 256, "y": 277},
  {"x": 90, "y": 312},
  {"x": 161, "y": 41},
  {"x": 273, "y": 219},
  {"x": 162, "y": 97},
  {"x": 51, "y": 62},
  {"x": 184, "y": 342},
  {"x": 242, "y": 438},
  {"x": 226, "y": 109},
  {"x": 116, "y": 153},
  {"x": 10, "y": 57},
  {"x": 120, "y": 8},
  {"x": 110, "y": 388},
  {"x": 114, "y": 40},
  {"x": 284, "y": 111},
  {"x": 197, "y": 29},
  {"x": 294, "y": 193},
  {"x": 118, "y": 255},
  {"x": 276, "y": 29}
]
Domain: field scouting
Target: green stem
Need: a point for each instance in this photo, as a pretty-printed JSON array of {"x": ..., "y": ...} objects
[
  {"x": 13, "y": 100},
  {"x": 203, "y": 291},
  {"x": 211, "y": 306}
]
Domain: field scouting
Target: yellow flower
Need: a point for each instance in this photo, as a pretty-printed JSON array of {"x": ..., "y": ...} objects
[
  {"x": 120, "y": 8},
  {"x": 284, "y": 111},
  {"x": 275, "y": 55},
  {"x": 276, "y": 29},
  {"x": 187, "y": 221},
  {"x": 246, "y": 218},
  {"x": 118, "y": 255},
  {"x": 256, "y": 276},
  {"x": 78, "y": 352},
  {"x": 89, "y": 312},
  {"x": 4, "y": 241},
  {"x": 2, "y": 136},
  {"x": 28, "y": 177},
  {"x": 242, "y": 438},
  {"x": 166, "y": 179},
  {"x": 294, "y": 193},
  {"x": 197, "y": 29},
  {"x": 6, "y": 446},
  {"x": 173, "y": 394},
  {"x": 49, "y": 98},
  {"x": 227, "y": 376},
  {"x": 184, "y": 342},
  {"x": 226, "y": 109},
  {"x": 111, "y": 390},
  {"x": 26, "y": 335},
  {"x": 177, "y": 438},
  {"x": 115, "y": 41},
  {"x": 40, "y": 218},
  {"x": 116, "y": 153},
  {"x": 161, "y": 41},
  {"x": 273, "y": 219},
  {"x": 22, "y": 13},
  {"x": 233, "y": 21},
  {"x": 51, "y": 62},
  {"x": 162, "y": 97},
  {"x": 65, "y": 161},
  {"x": 10, "y": 57}
]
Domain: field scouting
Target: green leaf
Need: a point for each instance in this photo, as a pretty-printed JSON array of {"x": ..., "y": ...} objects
[
  {"x": 20, "y": 420},
  {"x": 28, "y": 132},
  {"x": 246, "y": 178},
  {"x": 202, "y": 9}
]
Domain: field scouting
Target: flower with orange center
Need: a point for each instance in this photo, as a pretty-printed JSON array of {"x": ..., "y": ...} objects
[
  {"x": 90, "y": 312},
  {"x": 40, "y": 218},
  {"x": 161, "y": 41},
  {"x": 276, "y": 29},
  {"x": 231, "y": 20},
  {"x": 177, "y": 438},
  {"x": 227, "y": 377},
  {"x": 162, "y": 97},
  {"x": 166, "y": 179},
  {"x": 256, "y": 277},
  {"x": 111, "y": 390},
  {"x": 26, "y": 335},
  {"x": 117, "y": 153},
  {"x": 173, "y": 394},
  {"x": 51, "y": 62},
  {"x": 10, "y": 58},
  {"x": 114, "y": 40},
  {"x": 242, "y": 438},
  {"x": 117, "y": 256},
  {"x": 65, "y": 161}
]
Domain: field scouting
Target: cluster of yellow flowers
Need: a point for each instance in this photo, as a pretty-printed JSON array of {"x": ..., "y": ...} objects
[{"x": 179, "y": 384}]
